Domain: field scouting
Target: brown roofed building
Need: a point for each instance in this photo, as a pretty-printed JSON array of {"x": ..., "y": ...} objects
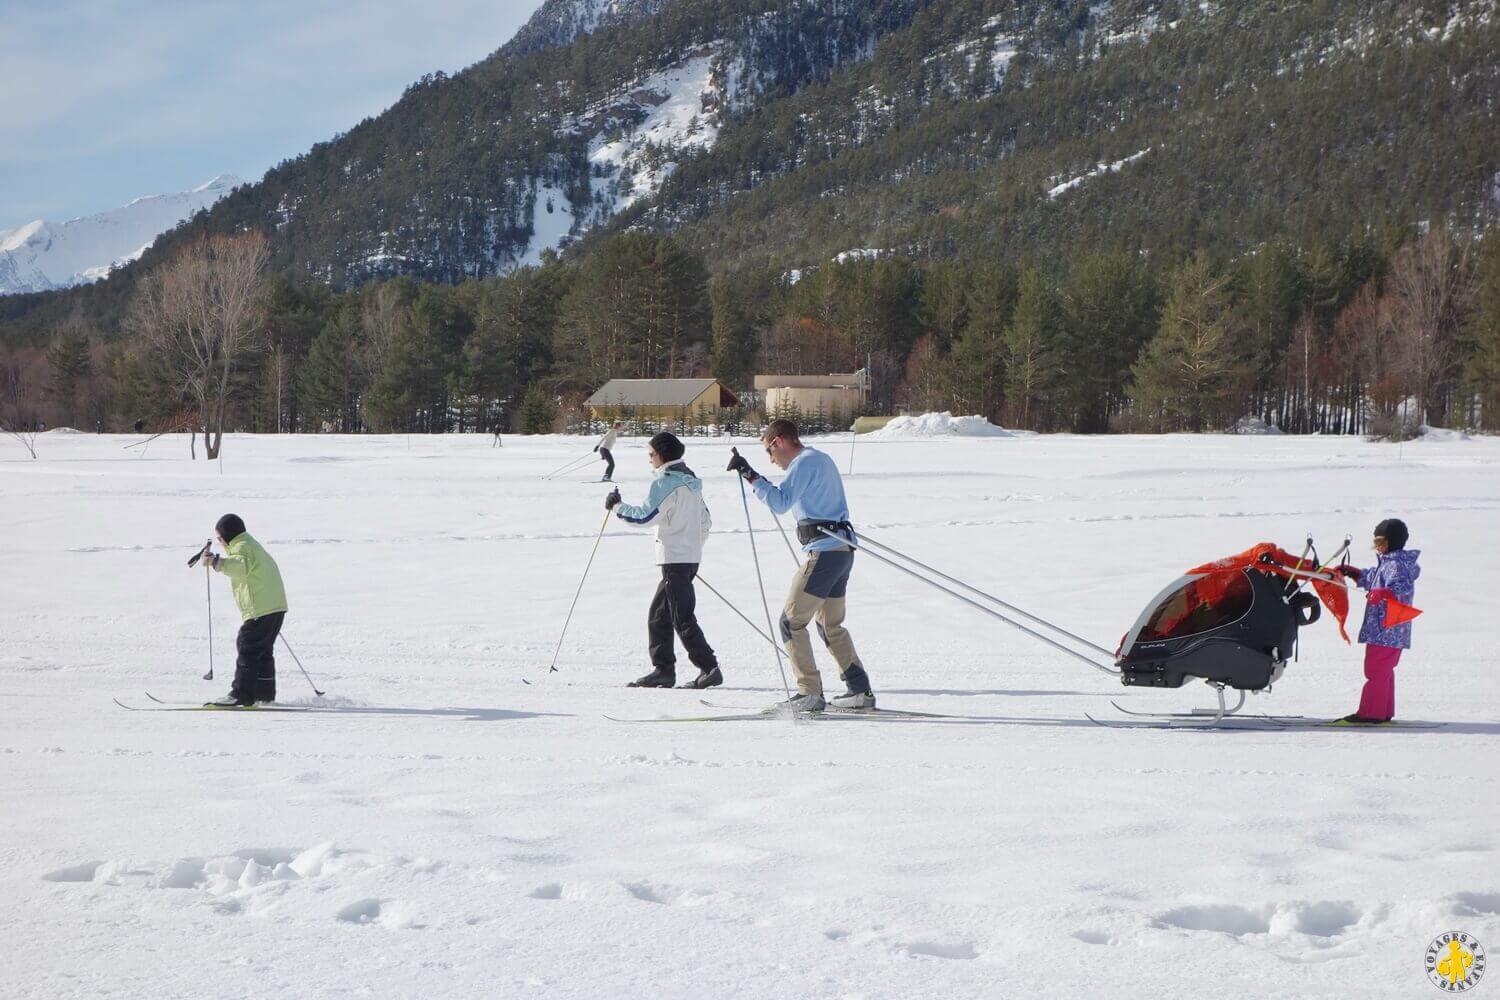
[{"x": 660, "y": 399}]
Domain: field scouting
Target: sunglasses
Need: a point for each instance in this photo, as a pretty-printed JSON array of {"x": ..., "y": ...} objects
[{"x": 771, "y": 442}]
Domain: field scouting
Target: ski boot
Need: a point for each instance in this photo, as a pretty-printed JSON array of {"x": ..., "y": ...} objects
[
  {"x": 706, "y": 679},
  {"x": 858, "y": 694},
  {"x": 658, "y": 678}
]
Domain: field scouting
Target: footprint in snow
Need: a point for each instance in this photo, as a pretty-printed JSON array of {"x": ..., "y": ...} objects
[
  {"x": 362, "y": 912},
  {"x": 933, "y": 949},
  {"x": 1322, "y": 919}
]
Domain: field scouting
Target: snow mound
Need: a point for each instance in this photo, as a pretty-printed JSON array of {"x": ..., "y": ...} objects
[
  {"x": 1253, "y": 425},
  {"x": 1430, "y": 433},
  {"x": 945, "y": 424}
]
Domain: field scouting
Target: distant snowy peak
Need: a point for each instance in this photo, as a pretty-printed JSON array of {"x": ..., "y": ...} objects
[
  {"x": 562, "y": 22},
  {"x": 41, "y": 256}
]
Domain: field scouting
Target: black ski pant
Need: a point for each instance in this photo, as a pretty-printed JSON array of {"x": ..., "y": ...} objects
[
  {"x": 255, "y": 666},
  {"x": 672, "y": 610},
  {"x": 609, "y": 468}
]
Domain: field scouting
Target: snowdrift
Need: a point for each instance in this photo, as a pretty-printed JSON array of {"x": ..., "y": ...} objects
[{"x": 939, "y": 425}]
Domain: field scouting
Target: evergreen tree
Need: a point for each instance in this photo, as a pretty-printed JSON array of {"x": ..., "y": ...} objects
[
  {"x": 1033, "y": 367},
  {"x": 1109, "y": 310},
  {"x": 945, "y": 302},
  {"x": 976, "y": 365},
  {"x": 1482, "y": 372},
  {"x": 68, "y": 367},
  {"x": 538, "y": 411},
  {"x": 1187, "y": 376},
  {"x": 330, "y": 380},
  {"x": 734, "y": 300}
]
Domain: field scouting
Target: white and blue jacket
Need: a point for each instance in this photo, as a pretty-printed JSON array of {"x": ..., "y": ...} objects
[
  {"x": 812, "y": 490},
  {"x": 675, "y": 506}
]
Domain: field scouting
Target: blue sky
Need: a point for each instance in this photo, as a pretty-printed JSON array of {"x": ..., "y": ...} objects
[{"x": 107, "y": 100}]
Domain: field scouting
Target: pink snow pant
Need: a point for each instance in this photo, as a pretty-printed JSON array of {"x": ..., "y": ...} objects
[{"x": 1378, "y": 700}]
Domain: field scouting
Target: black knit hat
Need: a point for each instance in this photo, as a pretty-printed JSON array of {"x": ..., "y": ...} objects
[
  {"x": 667, "y": 446},
  {"x": 230, "y": 527},
  {"x": 1393, "y": 530}
]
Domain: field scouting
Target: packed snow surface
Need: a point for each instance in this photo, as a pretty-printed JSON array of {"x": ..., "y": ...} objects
[
  {"x": 945, "y": 424},
  {"x": 441, "y": 829}
]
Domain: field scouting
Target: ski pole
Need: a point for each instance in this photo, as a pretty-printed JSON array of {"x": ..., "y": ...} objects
[
  {"x": 753, "y": 627},
  {"x": 208, "y": 587},
  {"x": 552, "y": 668},
  {"x": 300, "y": 666},
  {"x": 972, "y": 603},
  {"x": 567, "y": 467},
  {"x": 782, "y": 528},
  {"x": 759, "y": 580}
]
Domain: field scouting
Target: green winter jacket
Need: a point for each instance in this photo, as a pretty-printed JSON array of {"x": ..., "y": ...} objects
[{"x": 254, "y": 577}]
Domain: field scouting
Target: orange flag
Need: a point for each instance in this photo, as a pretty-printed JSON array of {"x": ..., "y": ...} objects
[{"x": 1397, "y": 613}]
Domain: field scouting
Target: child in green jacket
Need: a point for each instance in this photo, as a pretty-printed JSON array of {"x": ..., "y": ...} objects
[{"x": 261, "y": 598}]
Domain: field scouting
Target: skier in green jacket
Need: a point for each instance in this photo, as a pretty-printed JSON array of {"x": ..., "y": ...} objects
[{"x": 261, "y": 598}]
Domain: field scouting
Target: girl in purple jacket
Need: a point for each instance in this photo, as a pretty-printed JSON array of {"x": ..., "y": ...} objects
[{"x": 1394, "y": 575}]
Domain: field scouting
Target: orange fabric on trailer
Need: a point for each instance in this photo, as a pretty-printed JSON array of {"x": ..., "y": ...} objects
[{"x": 1268, "y": 557}]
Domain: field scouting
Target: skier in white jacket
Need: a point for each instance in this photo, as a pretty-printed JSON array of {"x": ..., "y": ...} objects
[
  {"x": 675, "y": 506},
  {"x": 603, "y": 448}
]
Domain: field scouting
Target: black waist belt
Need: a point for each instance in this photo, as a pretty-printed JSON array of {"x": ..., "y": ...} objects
[{"x": 811, "y": 531}]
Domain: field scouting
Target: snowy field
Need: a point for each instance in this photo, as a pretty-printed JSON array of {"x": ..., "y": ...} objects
[{"x": 445, "y": 830}]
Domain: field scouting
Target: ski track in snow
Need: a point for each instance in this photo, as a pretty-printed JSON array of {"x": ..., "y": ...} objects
[{"x": 439, "y": 829}]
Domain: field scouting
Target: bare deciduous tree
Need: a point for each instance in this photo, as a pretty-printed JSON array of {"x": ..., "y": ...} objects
[
  {"x": 203, "y": 314},
  {"x": 1430, "y": 286},
  {"x": 20, "y": 397}
]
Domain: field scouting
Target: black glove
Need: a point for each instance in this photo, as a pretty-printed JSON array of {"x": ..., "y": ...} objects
[
  {"x": 738, "y": 464},
  {"x": 213, "y": 560},
  {"x": 1350, "y": 571},
  {"x": 612, "y": 499}
]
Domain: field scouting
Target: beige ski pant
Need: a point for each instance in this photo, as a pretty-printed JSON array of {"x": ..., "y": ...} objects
[{"x": 817, "y": 593}]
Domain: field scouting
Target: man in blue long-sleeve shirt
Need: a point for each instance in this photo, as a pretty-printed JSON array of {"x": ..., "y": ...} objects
[{"x": 813, "y": 492}]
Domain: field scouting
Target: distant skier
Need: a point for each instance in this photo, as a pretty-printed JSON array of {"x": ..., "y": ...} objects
[
  {"x": 603, "y": 448},
  {"x": 1393, "y": 576},
  {"x": 675, "y": 505},
  {"x": 814, "y": 492},
  {"x": 261, "y": 597},
  {"x": 140, "y": 425}
]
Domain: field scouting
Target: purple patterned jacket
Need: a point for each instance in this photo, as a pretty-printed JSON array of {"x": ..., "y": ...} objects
[{"x": 1396, "y": 572}]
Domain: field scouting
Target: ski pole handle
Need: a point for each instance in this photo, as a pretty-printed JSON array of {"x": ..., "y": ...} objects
[{"x": 200, "y": 553}]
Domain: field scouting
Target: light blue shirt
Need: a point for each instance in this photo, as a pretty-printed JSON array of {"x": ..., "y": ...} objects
[{"x": 812, "y": 490}]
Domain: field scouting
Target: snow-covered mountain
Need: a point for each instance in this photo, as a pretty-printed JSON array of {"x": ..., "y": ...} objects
[
  {"x": 41, "y": 255},
  {"x": 561, "y": 22}
]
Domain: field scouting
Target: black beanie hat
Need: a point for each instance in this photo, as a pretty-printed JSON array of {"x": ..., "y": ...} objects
[
  {"x": 230, "y": 527},
  {"x": 1393, "y": 530},
  {"x": 667, "y": 446}
]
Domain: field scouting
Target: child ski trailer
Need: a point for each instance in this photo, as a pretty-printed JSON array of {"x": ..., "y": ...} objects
[
  {"x": 675, "y": 506},
  {"x": 603, "y": 448},
  {"x": 1386, "y": 631},
  {"x": 261, "y": 598},
  {"x": 813, "y": 491}
]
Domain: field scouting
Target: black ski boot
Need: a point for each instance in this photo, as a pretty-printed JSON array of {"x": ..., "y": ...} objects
[
  {"x": 706, "y": 679},
  {"x": 658, "y": 678},
  {"x": 858, "y": 694}
]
